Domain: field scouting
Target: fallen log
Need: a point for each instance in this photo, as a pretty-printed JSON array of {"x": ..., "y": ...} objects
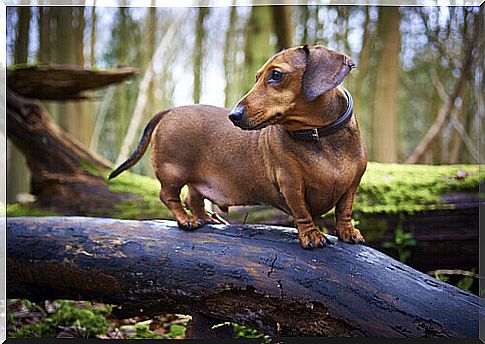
[
  {"x": 429, "y": 201},
  {"x": 254, "y": 275},
  {"x": 62, "y": 82}
]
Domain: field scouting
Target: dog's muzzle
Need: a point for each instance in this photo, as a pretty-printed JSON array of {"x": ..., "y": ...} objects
[{"x": 236, "y": 115}]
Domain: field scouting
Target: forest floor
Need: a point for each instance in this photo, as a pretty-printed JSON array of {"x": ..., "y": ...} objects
[{"x": 81, "y": 319}]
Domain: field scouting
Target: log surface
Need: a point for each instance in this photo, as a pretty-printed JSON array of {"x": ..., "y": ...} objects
[{"x": 254, "y": 275}]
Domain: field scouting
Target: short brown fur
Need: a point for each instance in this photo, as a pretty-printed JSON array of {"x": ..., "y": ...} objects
[{"x": 199, "y": 147}]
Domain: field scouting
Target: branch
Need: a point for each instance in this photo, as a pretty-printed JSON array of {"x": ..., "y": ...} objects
[
  {"x": 448, "y": 107},
  {"x": 144, "y": 87},
  {"x": 254, "y": 275},
  {"x": 62, "y": 82}
]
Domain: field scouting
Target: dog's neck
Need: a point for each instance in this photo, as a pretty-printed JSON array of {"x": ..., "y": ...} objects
[{"x": 323, "y": 111}]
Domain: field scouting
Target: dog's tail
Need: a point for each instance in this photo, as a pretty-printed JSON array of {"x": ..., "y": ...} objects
[{"x": 142, "y": 145}]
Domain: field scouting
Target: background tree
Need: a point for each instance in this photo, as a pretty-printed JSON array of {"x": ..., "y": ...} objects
[
  {"x": 385, "y": 110},
  {"x": 18, "y": 174}
]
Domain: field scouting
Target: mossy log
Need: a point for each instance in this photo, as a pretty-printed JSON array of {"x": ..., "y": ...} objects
[
  {"x": 254, "y": 275},
  {"x": 62, "y": 82}
]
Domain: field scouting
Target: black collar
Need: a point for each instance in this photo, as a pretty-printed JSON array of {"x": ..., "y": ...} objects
[{"x": 316, "y": 133}]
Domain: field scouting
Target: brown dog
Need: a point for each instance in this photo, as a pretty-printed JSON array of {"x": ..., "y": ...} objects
[{"x": 301, "y": 150}]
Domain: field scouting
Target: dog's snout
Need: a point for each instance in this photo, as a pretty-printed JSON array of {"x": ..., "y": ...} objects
[{"x": 236, "y": 115}]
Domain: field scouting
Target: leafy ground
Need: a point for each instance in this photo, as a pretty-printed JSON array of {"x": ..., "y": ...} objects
[{"x": 82, "y": 319}]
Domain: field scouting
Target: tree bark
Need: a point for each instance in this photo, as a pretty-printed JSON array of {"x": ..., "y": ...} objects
[
  {"x": 21, "y": 52},
  {"x": 257, "y": 276},
  {"x": 384, "y": 120},
  {"x": 43, "y": 53},
  {"x": 283, "y": 26}
]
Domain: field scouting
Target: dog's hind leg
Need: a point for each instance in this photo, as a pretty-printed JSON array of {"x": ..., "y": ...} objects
[
  {"x": 170, "y": 196},
  {"x": 195, "y": 202}
]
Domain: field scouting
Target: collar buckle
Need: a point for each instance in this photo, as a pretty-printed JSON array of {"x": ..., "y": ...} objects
[{"x": 315, "y": 135}]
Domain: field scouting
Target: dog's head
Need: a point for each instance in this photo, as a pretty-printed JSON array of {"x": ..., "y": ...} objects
[{"x": 286, "y": 82}]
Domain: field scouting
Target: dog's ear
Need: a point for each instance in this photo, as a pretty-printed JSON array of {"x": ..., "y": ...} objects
[{"x": 325, "y": 69}]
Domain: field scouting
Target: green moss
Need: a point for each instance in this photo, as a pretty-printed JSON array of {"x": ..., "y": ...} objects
[
  {"x": 393, "y": 188},
  {"x": 18, "y": 209},
  {"x": 89, "y": 322},
  {"x": 385, "y": 189},
  {"x": 25, "y": 66},
  {"x": 149, "y": 206}
]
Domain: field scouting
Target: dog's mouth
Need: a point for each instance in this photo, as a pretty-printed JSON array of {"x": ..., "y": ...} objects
[{"x": 255, "y": 124}]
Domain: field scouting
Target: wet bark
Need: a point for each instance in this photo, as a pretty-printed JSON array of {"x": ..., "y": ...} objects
[{"x": 254, "y": 275}]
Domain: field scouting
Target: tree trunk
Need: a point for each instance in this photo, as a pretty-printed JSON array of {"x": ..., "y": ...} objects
[
  {"x": 43, "y": 53},
  {"x": 202, "y": 12},
  {"x": 230, "y": 68},
  {"x": 70, "y": 46},
  {"x": 258, "y": 276},
  {"x": 17, "y": 170},
  {"x": 92, "y": 50},
  {"x": 257, "y": 45},
  {"x": 386, "y": 90},
  {"x": 283, "y": 26},
  {"x": 21, "y": 52}
]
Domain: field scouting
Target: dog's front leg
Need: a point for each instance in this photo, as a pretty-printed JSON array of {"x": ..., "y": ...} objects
[
  {"x": 294, "y": 194},
  {"x": 343, "y": 214}
]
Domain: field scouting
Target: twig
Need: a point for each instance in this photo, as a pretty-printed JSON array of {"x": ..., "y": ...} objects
[{"x": 454, "y": 272}]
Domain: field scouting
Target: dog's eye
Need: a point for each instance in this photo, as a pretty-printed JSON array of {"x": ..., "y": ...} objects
[{"x": 276, "y": 76}]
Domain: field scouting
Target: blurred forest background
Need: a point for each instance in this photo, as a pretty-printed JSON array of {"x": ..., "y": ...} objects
[{"x": 418, "y": 87}]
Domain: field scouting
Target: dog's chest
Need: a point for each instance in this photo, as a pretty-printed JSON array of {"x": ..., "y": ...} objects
[{"x": 326, "y": 174}]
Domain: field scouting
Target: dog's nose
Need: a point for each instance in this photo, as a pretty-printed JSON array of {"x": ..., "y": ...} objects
[{"x": 236, "y": 115}]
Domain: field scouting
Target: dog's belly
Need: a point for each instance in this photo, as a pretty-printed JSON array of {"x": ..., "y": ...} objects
[{"x": 223, "y": 192}]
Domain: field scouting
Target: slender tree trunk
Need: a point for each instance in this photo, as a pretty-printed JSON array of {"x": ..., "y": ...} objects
[
  {"x": 306, "y": 16},
  {"x": 43, "y": 53},
  {"x": 257, "y": 47},
  {"x": 70, "y": 47},
  {"x": 387, "y": 83},
  {"x": 92, "y": 52},
  {"x": 283, "y": 26},
  {"x": 360, "y": 92},
  {"x": 18, "y": 174},
  {"x": 230, "y": 70},
  {"x": 199, "y": 52},
  {"x": 22, "y": 38}
]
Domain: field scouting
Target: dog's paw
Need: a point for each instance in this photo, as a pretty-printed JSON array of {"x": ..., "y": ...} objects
[
  {"x": 351, "y": 235},
  {"x": 312, "y": 238},
  {"x": 190, "y": 223}
]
